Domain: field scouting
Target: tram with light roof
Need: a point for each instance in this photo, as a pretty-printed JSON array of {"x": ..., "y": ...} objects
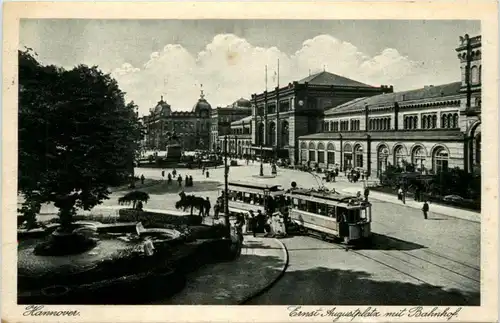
[{"x": 331, "y": 215}]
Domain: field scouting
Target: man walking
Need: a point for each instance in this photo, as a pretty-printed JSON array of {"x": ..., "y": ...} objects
[
  {"x": 366, "y": 193},
  {"x": 425, "y": 209},
  {"x": 208, "y": 206}
]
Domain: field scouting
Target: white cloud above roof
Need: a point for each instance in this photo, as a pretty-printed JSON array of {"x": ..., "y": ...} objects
[{"x": 230, "y": 67}]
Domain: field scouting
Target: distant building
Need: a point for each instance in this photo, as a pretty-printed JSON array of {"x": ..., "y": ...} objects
[
  {"x": 221, "y": 121},
  {"x": 433, "y": 128},
  {"x": 192, "y": 128}
]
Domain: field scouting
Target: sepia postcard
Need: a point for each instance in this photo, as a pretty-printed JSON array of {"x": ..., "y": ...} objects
[{"x": 250, "y": 162}]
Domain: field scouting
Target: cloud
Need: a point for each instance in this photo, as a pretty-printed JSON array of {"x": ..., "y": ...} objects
[{"x": 229, "y": 67}]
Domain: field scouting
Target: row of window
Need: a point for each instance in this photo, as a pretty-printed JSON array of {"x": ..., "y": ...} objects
[
  {"x": 380, "y": 124},
  {"x": 440, "y": 157},
  {"x": 241, "y": 131},
  {"x": 448, "y": 121}
]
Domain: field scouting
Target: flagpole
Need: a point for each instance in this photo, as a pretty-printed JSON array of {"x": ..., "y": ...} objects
[
  {"x": 266, "y": 78},
  {"x": 278, "y": 72}
]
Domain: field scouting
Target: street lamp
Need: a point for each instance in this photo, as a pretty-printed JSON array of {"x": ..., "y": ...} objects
[
  {"x": 226, "y": 198},
  {"x": 261, "y": 161}
]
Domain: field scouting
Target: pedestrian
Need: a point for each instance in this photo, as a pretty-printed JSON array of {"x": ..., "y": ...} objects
[
  {"x": 169, "y": 179},
  {"x": 179, "y": 180},
  {"x": 186, "y": 181},
  {"x": 163, "y": 174},
  {"x": 253, "y": 223},
  {"x": 425, "y": 209},
  {"x": 142, "y": 179},
  {"x": 358, "y": 195},
  {"x": 366, "y": 193},
  {"x": 417, "y": 194},
  {"x": 216, "y": 209},
  {"x": 400, "y": 194},
  {"x": 208, "y": 206},
  {"x": 203, "y": 170},
  {"x": 207, "y": 174},
  {"x": 190, "y": 180},
  {"x": 174, "y": 172}
]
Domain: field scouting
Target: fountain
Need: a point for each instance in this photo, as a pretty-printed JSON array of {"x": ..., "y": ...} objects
[{"x": 126, "y": 264}]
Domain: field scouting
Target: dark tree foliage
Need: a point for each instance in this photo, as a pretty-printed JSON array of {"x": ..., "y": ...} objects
[{"x": 76, "y": 138}]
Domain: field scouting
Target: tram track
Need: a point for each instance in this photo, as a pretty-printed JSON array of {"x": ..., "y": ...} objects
[
  {"x": 443, "y": 267},
  {"x": 416, "y": 267}
]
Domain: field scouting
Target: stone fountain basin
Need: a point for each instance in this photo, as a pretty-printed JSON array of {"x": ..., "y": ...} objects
[{"x": 116, "y": 242}]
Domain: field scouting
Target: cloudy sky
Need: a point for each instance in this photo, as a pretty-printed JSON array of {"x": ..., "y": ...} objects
[{"x": 173, "y": 58}]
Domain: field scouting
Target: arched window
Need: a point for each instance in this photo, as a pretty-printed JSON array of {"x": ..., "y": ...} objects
[
  {"x": 444, "y": 121},
  {"x": 406, "y": 123},
  {"x": 347, "y": 156},
  {"x": 440, "y": 160},
  {"x": 418, "y": 158},
  {"x": 331, "y": 126},
  {"x": 399, "y": 156},
  {"x": 474, "y": 75},
  {"x": 455, "y": 120},
  {"x": 321, "y": 153},
  {"x": 382, "y": 157},
  {"x": 285, "y": 134},
  {"x": 330, "y": 153},
  {"x": 303, "y": 151},
  {"x": 260, "y": 137},
  {"x": 312, "y": 152},
  {"x": 415, "y": 122},
  {"x": 272, "y": 133},
  {"x": 434, "y": 121},
  {"x": 424, "y": 120},
  {"x": 358, "y": 156},
  {"x": 477, "y": 149}
]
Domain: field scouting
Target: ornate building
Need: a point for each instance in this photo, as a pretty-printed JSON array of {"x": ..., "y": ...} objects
[
  {"x": 221, "y": 121},
  {"x": 192, "y": 127},
  {"x": 281, "y": 116},
  {"x": 433, "y": 128}
]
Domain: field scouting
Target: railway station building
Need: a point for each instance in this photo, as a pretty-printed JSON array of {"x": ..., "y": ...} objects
[{"x": 433, "y": 128}]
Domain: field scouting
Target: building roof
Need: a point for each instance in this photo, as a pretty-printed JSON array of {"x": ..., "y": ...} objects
[
  {"x": 426, "y": 94},
  {"x": 162, "y": 107},
  {"x": 241, "y": 121},
  {"x": 202, "y": 104},
  {"x": 327, "y": 78}
]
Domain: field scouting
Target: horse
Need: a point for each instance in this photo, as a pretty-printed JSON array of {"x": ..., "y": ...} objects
[{"x": 191, "y": 201}]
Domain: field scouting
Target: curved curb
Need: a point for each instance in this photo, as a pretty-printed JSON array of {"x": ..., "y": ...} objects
[{"x": 271, "y": 284}]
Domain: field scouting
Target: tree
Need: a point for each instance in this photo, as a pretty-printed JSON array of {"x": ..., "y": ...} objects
[{"x": 77, "y": 136}]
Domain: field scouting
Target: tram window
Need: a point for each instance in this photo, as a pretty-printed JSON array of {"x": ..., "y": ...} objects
[
  {"x": 321, "y": 209},
  {"x": 312, "y": 207},
  {"x": 295, "y": 203},
  {"x": 363, "y": 214},
  {"x": 302, "y": 205},
  {"x": 330, "y": 211}
]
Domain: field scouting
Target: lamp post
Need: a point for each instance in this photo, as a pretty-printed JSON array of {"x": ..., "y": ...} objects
[
  {"x": 226, "y": 198},
  {"x": 261, "y": 173}
]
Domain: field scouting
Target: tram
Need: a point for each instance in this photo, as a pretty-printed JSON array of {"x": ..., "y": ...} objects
[
  {"x": 331, "y": 215},
  {"x": 246, "y": 196}
]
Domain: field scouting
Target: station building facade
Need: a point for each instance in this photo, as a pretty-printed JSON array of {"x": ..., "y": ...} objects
[
  {"x": 433, "y": 128},
  {"x": 192, "y": 127},
  {"x": 281, "y": 116}
]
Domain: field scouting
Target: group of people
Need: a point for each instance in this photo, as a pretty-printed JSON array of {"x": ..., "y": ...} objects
[
  {"x": 188, "y": 180},
  {"x": 354, "y": 175}
]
